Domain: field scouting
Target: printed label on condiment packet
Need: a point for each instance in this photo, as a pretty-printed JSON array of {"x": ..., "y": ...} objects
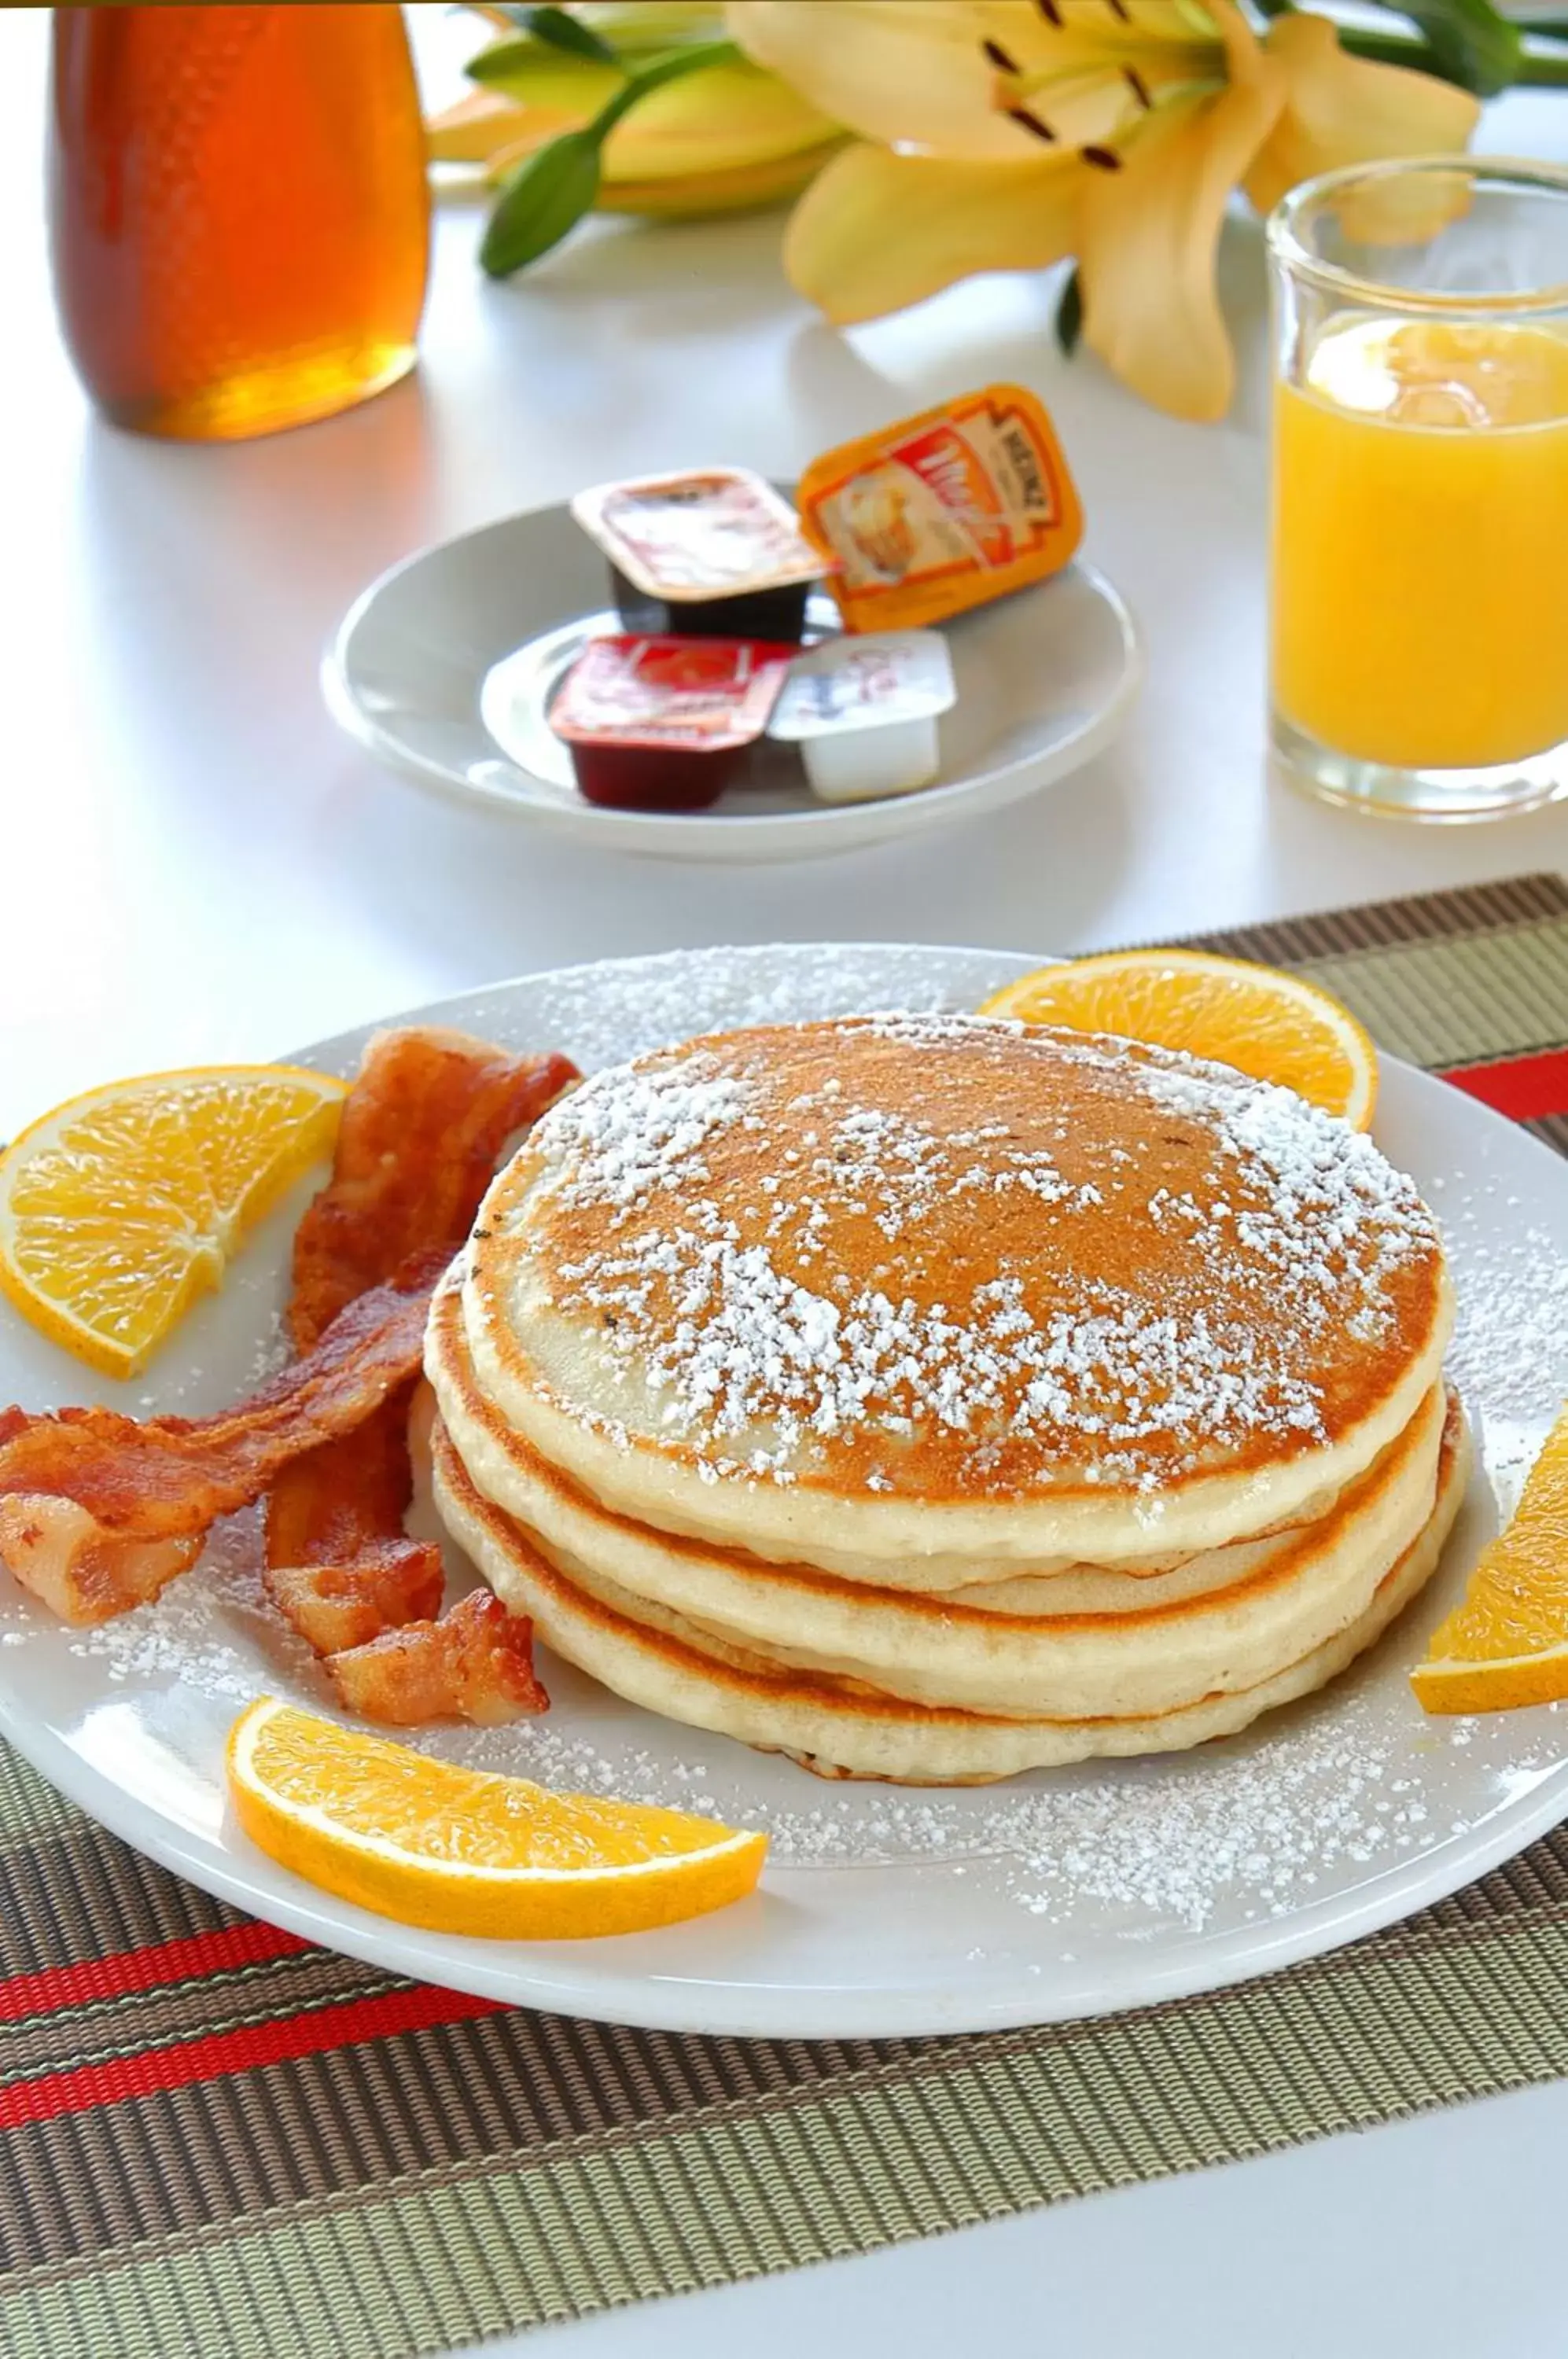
[
  {"x": 705, "y": 694},
  {"x": 944, "y": 511},
  {"x": 864, "y": 712},
  {"x": 712, "y": 532},
  {"x": 864, "y": 684}
]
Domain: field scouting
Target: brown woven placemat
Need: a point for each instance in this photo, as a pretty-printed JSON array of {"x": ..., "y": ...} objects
[{"x": 222, "y": 2144}]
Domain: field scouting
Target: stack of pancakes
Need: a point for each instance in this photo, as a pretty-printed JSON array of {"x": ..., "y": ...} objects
[{"x": 932, "y": 1398}]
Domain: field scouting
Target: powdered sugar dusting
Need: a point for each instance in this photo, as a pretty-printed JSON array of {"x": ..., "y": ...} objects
[
  {"x": 205, "y": 1628},
  {"x": 745, "y": 1320},
  {"x": 635, "y": 1134}
]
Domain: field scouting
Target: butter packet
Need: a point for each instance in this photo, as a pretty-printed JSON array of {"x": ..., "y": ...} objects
[
  {"x": 864, "y": 712},
  {"x": 942, "y": 512}
]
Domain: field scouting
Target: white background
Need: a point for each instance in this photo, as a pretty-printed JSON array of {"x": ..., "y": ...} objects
[{"x": 194, "y": 864}]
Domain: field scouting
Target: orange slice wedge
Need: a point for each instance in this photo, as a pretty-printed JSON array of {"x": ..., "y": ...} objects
[
  {"x": 122, "y": 1206},
  {"x": 1507, "y": 1642},
  {"x": 1266, "y": 1023},
  {"x": 462, "y": 1851}
]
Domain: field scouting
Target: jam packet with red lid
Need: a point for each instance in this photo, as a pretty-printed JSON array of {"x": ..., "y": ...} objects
[
  {"x": 939, "y": 512},
  {"x": 710, "y": 551},
  {"x": 656, "y": 723}
]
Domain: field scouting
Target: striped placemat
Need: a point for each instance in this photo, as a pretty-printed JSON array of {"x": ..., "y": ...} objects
[{"x": 223, "y": 2143}]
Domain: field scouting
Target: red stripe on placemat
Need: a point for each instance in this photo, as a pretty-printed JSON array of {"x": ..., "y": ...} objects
[
  {"x": 124, "y": 1971},
  {"x": 83, "y": 2086},
  {"x": 1527, "y": 1088}
]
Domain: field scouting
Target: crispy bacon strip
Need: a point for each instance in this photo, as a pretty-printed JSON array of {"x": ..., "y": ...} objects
[
  {"x": 422, "y": 1130},
  {"x": 333, "y": 1606},
  {"x": 98, "y": 1512},
  {"x": 476, "y": 1663},
  {"x": 339, "y": 1569},
  {"x": 347, "y": 1499},
  {"x": 56, "y": 1550}
]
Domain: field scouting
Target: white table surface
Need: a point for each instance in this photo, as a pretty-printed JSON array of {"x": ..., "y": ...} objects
[{"x": 196, "y": 865}]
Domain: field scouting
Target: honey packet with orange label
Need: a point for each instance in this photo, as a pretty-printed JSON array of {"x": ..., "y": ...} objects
[{"x": 942, "y": 512}]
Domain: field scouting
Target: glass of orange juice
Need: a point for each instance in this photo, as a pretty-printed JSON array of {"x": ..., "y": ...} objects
[{"x": 1419, "y": 562}]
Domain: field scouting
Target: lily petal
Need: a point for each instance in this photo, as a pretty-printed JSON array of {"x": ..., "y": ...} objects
[
  {"x": 481, "y": 125},
  {"x": 1344, "y": 110},
  {"x": 1069, "y": 34},
  {"x": 940, "y": 73},
  {"x": 1149, "y": 233},
  {"x": 876, "y": 232},
  {"x": 737, "y": 189},
  {"x": 896, "y": 72},
  {"x": 985, "y": 77},
  {"x": 1088, "y": 69},
  {"x": 724, "y": 119}
]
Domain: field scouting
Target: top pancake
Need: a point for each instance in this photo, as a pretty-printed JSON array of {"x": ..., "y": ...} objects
[{"x": 937, "y": 1283}]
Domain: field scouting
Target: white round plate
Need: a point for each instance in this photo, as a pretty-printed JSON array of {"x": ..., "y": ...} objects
[
  {"x": 444, "y": 666},
  {"x": 883, "y": 1910}
]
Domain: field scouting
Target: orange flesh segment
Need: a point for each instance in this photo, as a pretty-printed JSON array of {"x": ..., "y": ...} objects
[
  {"x": 1271, "y": 1026},
  {"x": 1507, "y": 1643},
  {"x": 464, "y": 1851},
  {"x": 123, "y": 1205}
]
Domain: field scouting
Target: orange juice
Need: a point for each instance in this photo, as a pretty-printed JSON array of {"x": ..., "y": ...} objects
[{"x": 1420, "y": 542}]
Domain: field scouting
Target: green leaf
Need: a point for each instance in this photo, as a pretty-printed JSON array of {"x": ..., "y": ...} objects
[
  {"x": 542, "y": 203},
  {"x": 551, "y": 190},
  {"x": 563, "y": 31},
  {"x": 1070, "y": 313},
  {"x": 1543, "y": 69},
  {"x": 1471, "y": 42},
  {"x": 528, "y": 69}
]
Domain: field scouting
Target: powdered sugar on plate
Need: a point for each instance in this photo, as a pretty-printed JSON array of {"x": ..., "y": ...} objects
[{"x": 209, "y": 1629}]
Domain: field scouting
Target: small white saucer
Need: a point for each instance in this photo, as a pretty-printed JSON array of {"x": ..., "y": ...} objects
[{"x": 444, "y": 667}]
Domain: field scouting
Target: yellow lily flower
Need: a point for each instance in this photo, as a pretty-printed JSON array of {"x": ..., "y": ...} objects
[{"x": 1004, "y": 135}]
